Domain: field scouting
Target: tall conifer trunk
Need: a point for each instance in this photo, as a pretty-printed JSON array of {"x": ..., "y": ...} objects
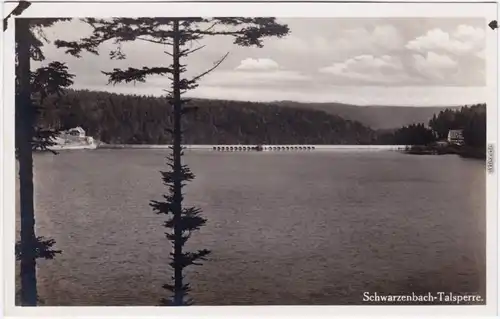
[
  {"x": 177, "y": 149},
  {"x": 24, "y": 135}
]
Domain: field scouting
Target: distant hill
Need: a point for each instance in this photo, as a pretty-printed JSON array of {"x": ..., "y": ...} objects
[{"x": 376, "y": 117}]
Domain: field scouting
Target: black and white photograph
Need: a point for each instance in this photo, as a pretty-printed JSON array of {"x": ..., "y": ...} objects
[{"x": 228, "y": 157}]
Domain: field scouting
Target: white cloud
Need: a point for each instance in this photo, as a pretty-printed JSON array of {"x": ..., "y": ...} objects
[
  {"x": 469, "y": 33},
  {"x": 249, "y": 79},
  {"x": 435, "y": 66},
  {"x": 464, "y": 40},
  {"x": 254, "y": 72},
  {"x": 383, "y": 69},
  {"x": 257, "y": 64},
  {"x": 340, "y": 44}
]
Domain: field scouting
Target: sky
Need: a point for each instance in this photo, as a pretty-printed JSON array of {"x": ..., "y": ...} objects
[{"x": 363, "y": 61}]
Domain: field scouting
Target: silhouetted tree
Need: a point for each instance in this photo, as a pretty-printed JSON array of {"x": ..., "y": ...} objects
[
  {"x": 48, "y": 81},
  {"x": 175, "y": 33},
  {"x": 414, "y": 134},
  {"x": 28, "y": 137},
  {"x": 24, "y": 134},
  {"x": 474, "y": 130}
]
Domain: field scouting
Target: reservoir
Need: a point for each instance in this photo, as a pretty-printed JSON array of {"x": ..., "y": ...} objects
[{"x": 284, "y": 228}]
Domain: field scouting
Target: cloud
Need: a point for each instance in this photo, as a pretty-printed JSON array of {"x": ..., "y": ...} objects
[
  {"x": 435, "y": 66},
  {"x": 464, "y": 40},
  {"x": 257, "y": 64},
  {"x": 384, "y": 69},
  {"x": 469, "y": 33},
  {"x": 255, "y": 72},
  {"x": 275, "y": 78},
  {"x": 337, "y": 42},
  {"x": 434, "y": 58}
]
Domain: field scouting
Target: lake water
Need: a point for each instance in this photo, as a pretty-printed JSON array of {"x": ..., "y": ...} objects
[{"x": 284, "y": 228}]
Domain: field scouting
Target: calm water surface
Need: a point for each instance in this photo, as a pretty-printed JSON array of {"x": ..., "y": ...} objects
[{"x": 284, "y": 228}]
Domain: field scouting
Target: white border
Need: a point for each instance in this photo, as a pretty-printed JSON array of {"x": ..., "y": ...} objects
[
  {"x": 288, "y": 10},
  {"x": 79, "y": 9}
]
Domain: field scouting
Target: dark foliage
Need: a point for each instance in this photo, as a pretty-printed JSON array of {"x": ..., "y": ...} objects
[
  {"x": 475, "y": 130},
  {"x": 414, "y": 134},
  {"x": 48, "y": 81},
  {"x": 43, "y": 249}
]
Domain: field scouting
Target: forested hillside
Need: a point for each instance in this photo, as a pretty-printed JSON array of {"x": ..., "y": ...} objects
[{"x": 128, "y": 119}]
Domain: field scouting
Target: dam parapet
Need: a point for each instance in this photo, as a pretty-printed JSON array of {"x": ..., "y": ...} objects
[
  {"x": 262, "y": 148},
  {"x": 284, "y": 148}
]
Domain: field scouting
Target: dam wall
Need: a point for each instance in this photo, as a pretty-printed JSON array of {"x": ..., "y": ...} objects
[
  {"x": 264, "y": 148},
  {"x": 281, "y": 148}
]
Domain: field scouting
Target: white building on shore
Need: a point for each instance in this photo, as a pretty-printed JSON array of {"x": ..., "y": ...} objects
[
  {"x": 74, "y": 138},
  {"x": 456, "y": 137}
]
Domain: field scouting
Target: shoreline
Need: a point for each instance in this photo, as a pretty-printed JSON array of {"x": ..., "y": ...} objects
[{"x": 462, "y": 151}]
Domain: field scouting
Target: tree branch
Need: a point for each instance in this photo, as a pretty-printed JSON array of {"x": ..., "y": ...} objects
[
  {"x": 212, "y": 26},
  {"x": 188, "y": 51},
  {"x": 216, "y": 64},
  {"x": 134, "y": 75},
  {"x": 155, "y": 41}
]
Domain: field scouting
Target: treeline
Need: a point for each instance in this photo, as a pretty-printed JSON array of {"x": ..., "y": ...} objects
[
  {"x": 414, "y": 134},
  {"x": 130, "y": 119},
  {"x": 470, "y": 119}
]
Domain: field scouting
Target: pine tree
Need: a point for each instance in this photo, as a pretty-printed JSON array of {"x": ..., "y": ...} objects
[
  {"x": 44, "y": 81},
  {"x": 176, "y": 33},
  {"x": 50, "y": 80}
]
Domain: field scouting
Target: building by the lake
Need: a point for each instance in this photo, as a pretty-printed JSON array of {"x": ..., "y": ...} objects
[
  {"x": 74, "y": 138},
  {"x": 456, "y": 137},
  {"x": 76, "y": 133}
]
